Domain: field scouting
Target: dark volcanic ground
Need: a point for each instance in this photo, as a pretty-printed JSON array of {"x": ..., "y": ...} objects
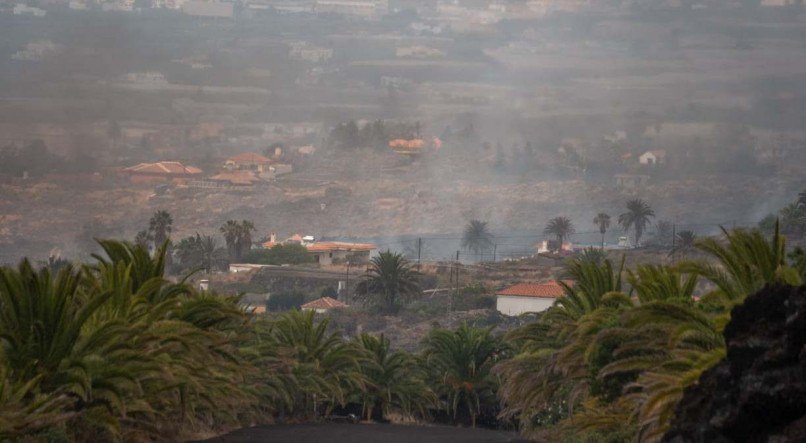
[{"x": 365, "y": 433}]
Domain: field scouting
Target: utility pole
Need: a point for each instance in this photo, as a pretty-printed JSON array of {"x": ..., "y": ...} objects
[
  {"x": 457, "y": 271},
  {"x": 674, "y": 240},
  {"x": 347, "y": 283},
  {"x": 419, "y": 250}
]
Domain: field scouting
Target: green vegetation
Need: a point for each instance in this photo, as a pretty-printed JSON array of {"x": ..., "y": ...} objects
[
  {"x": 459, "y": 365},
  {"x": 602, "y": 221},
  {"x": 281, "y": 254},
  {"x": 112, "y": 350},
  {"x": 477, "y": 237},
  {"x": 284, "y": 301},
  {"x": 637, "y": 218},
  {"x": 159, "y": 227},
  {"x": 792, "y": 218},
  {"x": 684, "y": 242},
  {"x": 561, "y": 228},
  {"x": 608, "y": 365},
  {"x": 393, "y": 380},
  {"x": 238, "y": 236},
  {"x": 374, "y": 134},
  {"x": 198, "y": 252},
  {"x": 391, "y": 280}
]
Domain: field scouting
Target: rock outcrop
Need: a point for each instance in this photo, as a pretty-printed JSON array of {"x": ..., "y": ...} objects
[{"x": 758, "y": 392}]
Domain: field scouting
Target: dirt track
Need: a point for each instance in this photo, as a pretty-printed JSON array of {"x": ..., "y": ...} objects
[{"x": 364, "y": 433}]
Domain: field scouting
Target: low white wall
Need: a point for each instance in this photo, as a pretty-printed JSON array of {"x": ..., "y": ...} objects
[{"x": 515, "y": 305}]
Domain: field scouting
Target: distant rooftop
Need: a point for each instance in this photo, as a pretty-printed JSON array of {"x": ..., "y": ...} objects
[
  {"x": 550, "y": 289},
  {"x": 163, "y": 168},
  {"x": 324, "y": 303}
]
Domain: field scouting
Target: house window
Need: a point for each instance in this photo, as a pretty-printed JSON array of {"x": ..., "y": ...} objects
[{"x": 330, "y": 255}]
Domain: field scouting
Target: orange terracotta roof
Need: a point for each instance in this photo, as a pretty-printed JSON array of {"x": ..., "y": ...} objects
[
  {"x": 326, "y": 246},
  {"x": 269, "y": 244},
  {"x": 550, "y": 289},
  {"x": 237, "y": 177},
  {"x": 163, "y": 168},
  {"x": 249, "y": 157},
  {"x": 296, "y": 238},
  {"x": 400, "y": 143},
  {"x": 324, "y": 303}
]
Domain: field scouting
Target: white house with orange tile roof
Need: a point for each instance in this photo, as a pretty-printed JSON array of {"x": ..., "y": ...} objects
[
  {"x": 529, "y": 297},
  {"x": 248, "y": 161},
  {"x": 323, "y": 305},
  {"x": 160, "y": 171},
  {"x": 326, "y": 252}
]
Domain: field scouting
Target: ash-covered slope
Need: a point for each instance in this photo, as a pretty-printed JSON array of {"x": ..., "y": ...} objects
[{"x": 758, "y": 392}]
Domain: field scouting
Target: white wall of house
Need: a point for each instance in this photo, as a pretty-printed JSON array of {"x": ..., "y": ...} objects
[
  {"x": 516, "y": 305},
  {"x": 326, "y": 258},
  {"x": 317, "y": 310},
  {"x": 648, "y": 158}
]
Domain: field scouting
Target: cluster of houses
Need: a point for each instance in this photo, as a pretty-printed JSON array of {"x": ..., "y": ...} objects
[
  {"x": 327, "y": 253},
  {"x": 466, "y": 15},
  {"x": 523, "y": 298},
  {"x": 244, "y": 170}
]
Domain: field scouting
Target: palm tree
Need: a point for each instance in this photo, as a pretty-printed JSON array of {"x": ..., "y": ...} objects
[
  {"x": 160, "y": 227},
  {"x": 561, "y": 228},
  {"x": 551, "y": 375},
  {"x": 325, "y": 367},
  {"x": 477, "y": 237},
  {"x": 245, "y": 237},
  {"x": 684, "y": 242},
  {"x": 199, "y": 251},
  {"x": 209, "y": 250},
  {"x": 793, "y": 219},
  {"x": 232, "y": 231},
  {"x": 116, "y": 349},
  {"x": 637, "y": 217},
  {"x": 25, "y": 410},
  {"x": 602, "y": 221},
  {"x": 664, "y": 233},
  {"x": 460, "y": 364},
  {"x": 143, "y": 238},
  {"x": 669, "y": 345},
  {"x": 393, "y": 379},
  {"x": 238, "y": 236},
  {"x": 390, "y": 280},
  {"x": 745, "y": 262}
]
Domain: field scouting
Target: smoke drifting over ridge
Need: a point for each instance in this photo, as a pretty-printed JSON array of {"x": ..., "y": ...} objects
[{"x": 537, "y": 114}]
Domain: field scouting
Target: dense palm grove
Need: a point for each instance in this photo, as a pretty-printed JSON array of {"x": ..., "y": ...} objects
[{"x": 113, "y": 350}]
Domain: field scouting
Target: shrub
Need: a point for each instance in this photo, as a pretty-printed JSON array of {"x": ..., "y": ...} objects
[
  {"x": 283, "y": 301},
  {"x": 283, "y": 254}
]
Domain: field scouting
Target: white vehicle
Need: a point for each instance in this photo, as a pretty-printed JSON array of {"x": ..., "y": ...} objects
[{"x": 624, "y": 242}]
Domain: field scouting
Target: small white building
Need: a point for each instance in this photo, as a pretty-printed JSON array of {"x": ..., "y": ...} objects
[
  {"x": 652, "y": 158},
  {"x": 528, "y": 297},
  {"x": 328, "y": 253}
]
